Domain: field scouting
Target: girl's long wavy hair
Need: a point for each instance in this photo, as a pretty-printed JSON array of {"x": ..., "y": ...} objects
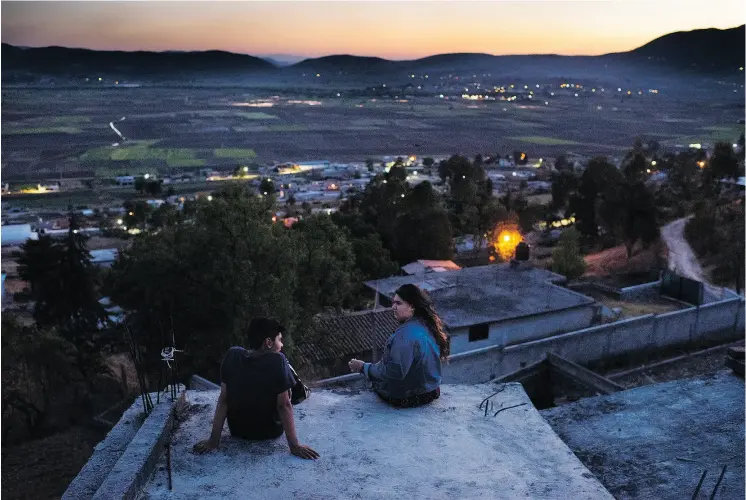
[{"x": 424, "y": 310}]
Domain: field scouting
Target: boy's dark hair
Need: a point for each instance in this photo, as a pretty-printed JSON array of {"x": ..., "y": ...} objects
[{"x": 261, "y": 329}]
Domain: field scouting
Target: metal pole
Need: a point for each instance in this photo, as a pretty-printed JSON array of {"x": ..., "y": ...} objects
[
  {"x": 168, "y": 463},
  {"x": 699, "y": 485}
]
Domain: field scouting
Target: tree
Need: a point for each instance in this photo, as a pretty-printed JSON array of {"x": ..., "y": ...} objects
[
  {"x": 419, "y": 228},
  {"x": 267, "y": 187},
  {"x": 640, "y": 220},
  {"x": 153, "y": 187},
  {"x": 137, "y": 213},
  {"x": 567, "y": 259},
  {"x": 564, "y": 185},
  {"x": 478, "y": 161},
  {"x": 561, "y": 163},
  {"x": 165, "y": 215},
  {"x": 63, "y": 284},
  {"x": 372, "y": 259},
  {"x": 139, "y": 183},
  {"x": 42, "y": 384},
  {"x": 635, "y": 164},
  {"x": 723, "y": 164},
  {"x": 683, "y": 176},
  {"x": 425, "y": 235},
  {"x": 369, "y": 164},
  {"x": 325, "y": 263},
  {"x": 204, "y": 281},
  {"x": 428, "y": 162},
  {"x": 456, "y": 167},
  {"x": 598, "y": 197}
]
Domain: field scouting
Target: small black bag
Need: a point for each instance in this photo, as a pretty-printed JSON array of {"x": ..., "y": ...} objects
[{"x": 300, "y": 392}]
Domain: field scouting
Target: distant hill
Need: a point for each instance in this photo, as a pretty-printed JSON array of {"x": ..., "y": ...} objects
[
  {"x": 347, "y": 64},
  {"x": 703, "y": 49},
  {"x": 66, "y": 61}
]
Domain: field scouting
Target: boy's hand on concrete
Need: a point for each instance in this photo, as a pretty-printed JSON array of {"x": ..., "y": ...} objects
[
  {"x": 205, "y": 446},
  {"x": 304, "y": 452}
]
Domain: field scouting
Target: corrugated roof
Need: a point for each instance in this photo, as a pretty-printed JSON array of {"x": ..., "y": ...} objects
[{"x": 347, "y": 334}]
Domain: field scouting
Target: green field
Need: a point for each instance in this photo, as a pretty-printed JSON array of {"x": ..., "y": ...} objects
[
  {"x": 69, "y": 119},
  {"x": 139, "y": 151},
  {"x": 272, "y": 128},
  {"x": 40, "y": 130},
  {"x": 545, "y": 141},
  {"x": 238, "y": 153},
  {"x": 258, "y": 115}
]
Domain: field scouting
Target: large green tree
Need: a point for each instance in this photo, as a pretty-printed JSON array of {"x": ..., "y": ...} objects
[
  {"x": 43, "y": 387},
  {"x": 63, "y": 284},
  {"x": 598, "y": 196},
  {"x": 325, "y": 263},
  {"x": 567, "y": 259},
  {"x": 564, "y": 185},
  {"x": 204, "y": 281},
  {"x": 723, "y": 164}
]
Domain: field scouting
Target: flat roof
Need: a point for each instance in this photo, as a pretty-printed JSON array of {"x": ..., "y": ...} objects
[
  {"x": 488, "y": 294},
  {"x": 655, "y": 441},
  {"x": 448, "y": 449}
]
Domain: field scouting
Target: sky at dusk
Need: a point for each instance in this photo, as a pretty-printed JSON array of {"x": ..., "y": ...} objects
[{"x": 394, "y": 30}]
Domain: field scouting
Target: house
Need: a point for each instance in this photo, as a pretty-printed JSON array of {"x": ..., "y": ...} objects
[
  {"x": 496, "y": 304},
  {"x": 104, "y": 257},
  {"x": 17, "y": 234},
  {"x": 430, "y": 266},
  {"x": 336, "y": 339},
  {"x": 126, "y": 180}
]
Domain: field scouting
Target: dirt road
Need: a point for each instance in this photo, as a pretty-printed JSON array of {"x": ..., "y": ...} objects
[{"x": 681, "y": 257}]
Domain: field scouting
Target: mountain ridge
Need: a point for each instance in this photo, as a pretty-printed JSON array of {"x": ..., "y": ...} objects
[{"x": 696, "y": 50}]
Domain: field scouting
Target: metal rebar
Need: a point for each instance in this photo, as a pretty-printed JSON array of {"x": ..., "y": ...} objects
[
  {"x": 488, "y": 397},
  {"x": 699, "y": 486},
  {"x": 168, "y": 464},
  {"x": 717, "y": 485},
  {"x": 507, "y": 408}
]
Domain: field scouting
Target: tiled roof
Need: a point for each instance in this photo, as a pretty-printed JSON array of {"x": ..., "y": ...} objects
[{"x": 347, "y": 334}]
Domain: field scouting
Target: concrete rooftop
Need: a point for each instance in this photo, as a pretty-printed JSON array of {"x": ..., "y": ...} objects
[
  {"x": 655, "y": 441},
  {"x": 486, "y": 294},
  {"x": 448, "y": 449}
]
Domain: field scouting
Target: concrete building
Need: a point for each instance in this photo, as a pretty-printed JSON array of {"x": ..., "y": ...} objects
[
  {"x": 430, "y": 266},
  {"x": 126, "y": 180},
  {"x": 496, "y": 305},
  {"x": 104, "y": 257},
  {"x": 17, "y": 234},
  {"x": 369, "y": 450}
]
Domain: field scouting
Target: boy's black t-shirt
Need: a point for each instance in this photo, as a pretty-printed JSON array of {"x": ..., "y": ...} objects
[{"x": 253, "y": 381}]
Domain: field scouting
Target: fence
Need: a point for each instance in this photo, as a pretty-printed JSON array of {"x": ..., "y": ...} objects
[{"x": 712, "y": 323}]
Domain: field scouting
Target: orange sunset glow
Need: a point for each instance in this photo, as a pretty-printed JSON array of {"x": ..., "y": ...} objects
[{"x": 394, "y": 30}]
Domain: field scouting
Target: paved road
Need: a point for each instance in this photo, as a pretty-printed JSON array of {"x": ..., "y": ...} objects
[{"x": 683, "y": 260}]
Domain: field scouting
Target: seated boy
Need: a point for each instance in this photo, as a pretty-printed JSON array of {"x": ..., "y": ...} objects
[{"x": 255, "y": 392}]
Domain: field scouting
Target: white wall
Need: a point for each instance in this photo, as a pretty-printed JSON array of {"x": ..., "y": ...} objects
[
  {"x": 721, "y": 321},
  {"x": 524, "y": 329}
]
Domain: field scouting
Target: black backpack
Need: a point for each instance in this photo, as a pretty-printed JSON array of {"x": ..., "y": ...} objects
[{"x": 300, "y": 392}]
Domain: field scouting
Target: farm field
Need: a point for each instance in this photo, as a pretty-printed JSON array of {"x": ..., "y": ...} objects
[{"x": 48, "y": 132}]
